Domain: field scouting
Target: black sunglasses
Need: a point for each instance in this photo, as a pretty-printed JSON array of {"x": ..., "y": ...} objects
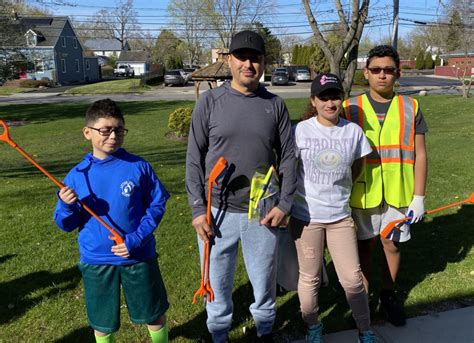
[
  {"x": 387, "y": 70},
  {"x": 107, "y": 131},
  {"x": 254, "y": 58}
]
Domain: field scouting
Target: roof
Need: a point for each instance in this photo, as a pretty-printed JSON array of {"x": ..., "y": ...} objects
[
  {"x": 215, "y": 71},
  {"x": 134, "y": 56},
  {"x": 103, "y": 44},
  {"x": 48, "y": 27},
  {"x": 458, "y": 53}
]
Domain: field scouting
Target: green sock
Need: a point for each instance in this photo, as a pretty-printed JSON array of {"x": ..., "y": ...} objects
[
  {"x": 160, "y": 336},
  {"x": 105, "y": 339}
]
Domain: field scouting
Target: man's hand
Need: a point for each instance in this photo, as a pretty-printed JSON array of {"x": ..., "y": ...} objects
[
  {"x": 203, "y": 229},
  {"x": 67, "y": 195},
  {"x": 416, "y": 210},
  {"x": 274, "y": 218},
  {"x": 121, "y": 250}
]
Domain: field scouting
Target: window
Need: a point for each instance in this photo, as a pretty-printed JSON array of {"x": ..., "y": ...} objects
[
  {"x": 87, "y": 65},
  {"x": 63, "y": 65},
  {"x": 75, "y": 43},
  {"x": 78, "y": 69},
  {"x": 63, "y": 41}
]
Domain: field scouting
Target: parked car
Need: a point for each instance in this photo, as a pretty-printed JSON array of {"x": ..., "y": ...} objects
[
  {"x": 188, "y": 72},
  {"x": 281, "y": 70},
  {"x": 124, "y": 70},
  {"x": 302, "y": 75},
  {"x": 280, "y": 78},
  {"x": 175, "y": 77}
]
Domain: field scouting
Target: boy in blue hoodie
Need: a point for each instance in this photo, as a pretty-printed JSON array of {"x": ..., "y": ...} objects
[{"x": 125, "y": 192}]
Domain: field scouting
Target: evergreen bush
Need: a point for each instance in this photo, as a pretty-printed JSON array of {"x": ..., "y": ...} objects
[{"x": 180, "y": 121}]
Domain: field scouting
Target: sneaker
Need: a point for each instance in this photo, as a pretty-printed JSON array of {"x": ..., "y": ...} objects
[
  {"x": 367, "y": 337},
  {"x": 268, "y": 338},
  {"x": 315, "y": 334},
  {"x": 392, "y": 309}
]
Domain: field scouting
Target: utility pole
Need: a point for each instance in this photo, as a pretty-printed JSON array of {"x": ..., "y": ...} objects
[{"x": 395, "y": 24}]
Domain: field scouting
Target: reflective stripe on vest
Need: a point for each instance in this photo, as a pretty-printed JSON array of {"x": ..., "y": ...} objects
[{"x": 389, "y": 168}]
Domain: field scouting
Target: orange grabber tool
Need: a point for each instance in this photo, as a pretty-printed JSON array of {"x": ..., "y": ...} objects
[
  {"x": 6, "y": 137},
  {"x": 205, "y": 289},
  {"x": 392, "y": 225}
]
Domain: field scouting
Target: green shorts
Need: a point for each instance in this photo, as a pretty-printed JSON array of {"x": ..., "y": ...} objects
[{"x": 143, "y": 289}]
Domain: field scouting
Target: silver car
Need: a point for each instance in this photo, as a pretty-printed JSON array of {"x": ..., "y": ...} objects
[
  {"x": 175, "y": 77},
  {"x": 303, "y": 75}
]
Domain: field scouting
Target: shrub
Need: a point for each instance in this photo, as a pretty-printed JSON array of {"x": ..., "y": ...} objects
[
  {"x": 359, "y": 78},
  {"x": 420, "y": 60},
  {"x": 107, "y": 71},
  {"x": 180, "y": 120},
  {"x": 429, "y": 63},
  {"x": 33, "y": 83},
  {"x": 406, "y": 66}
]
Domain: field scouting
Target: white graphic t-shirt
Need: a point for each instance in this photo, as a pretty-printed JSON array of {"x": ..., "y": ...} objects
[{"x": 324, "y": 177}]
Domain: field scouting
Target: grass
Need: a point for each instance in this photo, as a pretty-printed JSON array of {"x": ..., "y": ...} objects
[
  {"x": 110, "y": 87},
  {"x": 40, "y": 286},
  {"x": 9, "y": 90}
]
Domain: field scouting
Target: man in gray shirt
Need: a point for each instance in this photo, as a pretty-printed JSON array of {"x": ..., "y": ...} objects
[{"x": 250, "y": 127}]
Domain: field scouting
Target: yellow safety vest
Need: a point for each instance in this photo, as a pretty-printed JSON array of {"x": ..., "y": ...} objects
[{"x": 389, "y": 169}]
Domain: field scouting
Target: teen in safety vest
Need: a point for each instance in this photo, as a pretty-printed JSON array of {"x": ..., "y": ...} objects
[{"x": 393, "y": 182}]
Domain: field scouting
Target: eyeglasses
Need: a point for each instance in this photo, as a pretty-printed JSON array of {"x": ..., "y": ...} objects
[
  {"x": 387, "y": 70},
  {"x": 107, "y": 131}
]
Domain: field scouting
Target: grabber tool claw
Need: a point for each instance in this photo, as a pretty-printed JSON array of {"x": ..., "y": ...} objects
[
  {"x": 205, "y": 290},
  {"x": 5, "y": 136},
  {"x": 393, "y": 224}
]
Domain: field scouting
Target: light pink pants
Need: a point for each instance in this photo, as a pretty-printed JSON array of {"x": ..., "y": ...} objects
[{"x": 342, "y": 244}]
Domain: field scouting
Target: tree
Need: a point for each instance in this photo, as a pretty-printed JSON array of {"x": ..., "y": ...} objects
[
  {"x": 429, "y": 63},
  {"x": 295, "y": 54},
  {"x": 437, "y": 61},
  {"x": 319, "y": 63},
  {"x": 352, "y": 29},
  {"x": 167, "y": 48},
  {"x": 420, "y": 61},
  {"x": 455, "y": 31},
  {"x": 225, "y": 18},
  {"x": 188, "y": 22},
  {"x": 119, "y": 23}
]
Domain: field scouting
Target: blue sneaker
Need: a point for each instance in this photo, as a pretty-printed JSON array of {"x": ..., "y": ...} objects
[
  {"x": 368, "y": 337},
  {"x": 315, "y": 334}
]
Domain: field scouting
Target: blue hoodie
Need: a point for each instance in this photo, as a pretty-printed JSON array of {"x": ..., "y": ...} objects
[{"x": 126, "y": 193}]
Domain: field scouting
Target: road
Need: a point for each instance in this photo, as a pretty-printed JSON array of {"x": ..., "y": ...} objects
[{"x": 408, "y": 85}]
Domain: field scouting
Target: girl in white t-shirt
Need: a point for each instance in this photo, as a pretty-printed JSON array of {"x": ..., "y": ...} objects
[{"x": 330, "y": 156}]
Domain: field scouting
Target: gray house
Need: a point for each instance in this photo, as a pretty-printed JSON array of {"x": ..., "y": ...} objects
[
  {"x": 53, "y": 50},
  {"x": 105, "y": 46}
]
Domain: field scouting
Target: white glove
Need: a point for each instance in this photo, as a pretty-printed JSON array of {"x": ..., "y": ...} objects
[{"x": 416, "y": 210}]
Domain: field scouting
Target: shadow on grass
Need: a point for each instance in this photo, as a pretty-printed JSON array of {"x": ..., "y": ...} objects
[
  {"x": 196, "y": 328},
  {"x": 5, "y": 258},
  {"x": 81, "y": 335},
  {"x": 69, "y": 110},
  {"x": 15, "y": 295}
]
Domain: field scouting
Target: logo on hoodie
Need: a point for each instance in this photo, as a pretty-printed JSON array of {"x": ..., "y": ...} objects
[{"x": 127, "y": 188}]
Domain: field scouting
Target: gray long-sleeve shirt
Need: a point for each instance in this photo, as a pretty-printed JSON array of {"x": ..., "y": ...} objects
[{"x": 251, "y": 132}]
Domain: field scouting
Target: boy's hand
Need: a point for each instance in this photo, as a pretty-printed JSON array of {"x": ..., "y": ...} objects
[
  {"x": 203, "y": 229},
  {"x": 274, "y": 218},
  {"x": 67, "y": 195},
  {"x": 121, "y": 250}
]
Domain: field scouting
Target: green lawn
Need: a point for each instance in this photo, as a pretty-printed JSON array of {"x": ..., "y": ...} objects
[
  {"x": 40, "y": 286},
  {"x": 8, "y": 90},
  {"x": 110, "y": 87}
]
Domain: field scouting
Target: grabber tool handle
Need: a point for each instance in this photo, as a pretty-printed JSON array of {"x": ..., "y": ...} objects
[{"x": 6, "y": 137}]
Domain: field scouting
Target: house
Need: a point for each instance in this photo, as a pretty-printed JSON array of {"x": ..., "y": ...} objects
[
  {"x": 458, "y": 64},
  {"x": 107, "y": 47},
  {"x": 52, "y": 50},
  {"x": 139, "y": 60}
]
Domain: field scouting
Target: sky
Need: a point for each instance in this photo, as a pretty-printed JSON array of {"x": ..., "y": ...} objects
[{"x": 289, "y": 18}]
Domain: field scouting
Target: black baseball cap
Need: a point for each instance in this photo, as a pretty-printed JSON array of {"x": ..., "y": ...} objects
[
  {"x": 247, "y": 40},
  {"x": 324, "y": 82}
]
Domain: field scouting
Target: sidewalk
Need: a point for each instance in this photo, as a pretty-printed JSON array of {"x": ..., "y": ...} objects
[{"x": 455, "y": 326}]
